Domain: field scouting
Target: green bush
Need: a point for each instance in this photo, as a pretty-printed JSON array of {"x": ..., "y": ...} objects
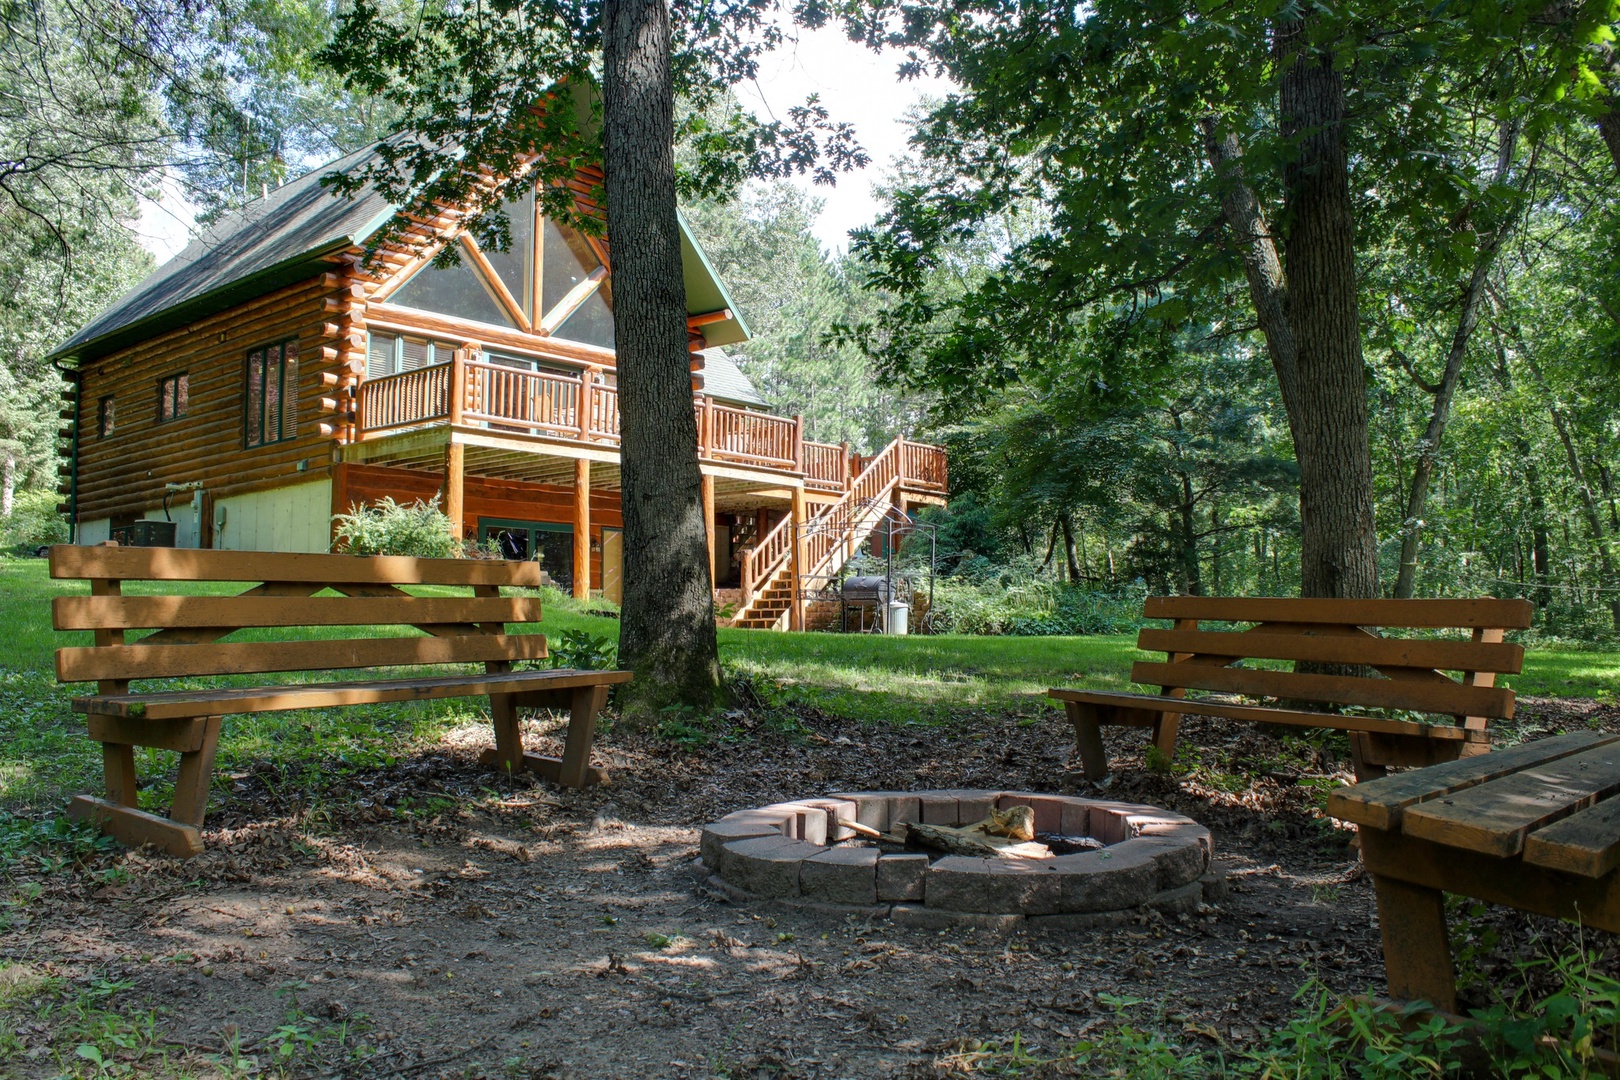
[
  {"x": 986, "y": 601},
  {"x": 34, "y": 521},
  {"x": 420, "y": 529}
]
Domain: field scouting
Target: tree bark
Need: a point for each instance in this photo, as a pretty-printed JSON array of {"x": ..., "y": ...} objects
[
  {"x": 667, "y": 633},
  {"x": 8, "y": 484},
  {"x": 1417, "y": 495},
  {"x": 1067, "y": 521},
  {"x": 1338, "y": 541}
]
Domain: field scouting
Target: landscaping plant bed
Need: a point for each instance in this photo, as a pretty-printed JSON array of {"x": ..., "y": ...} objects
[{"x": 850, "y": 851}]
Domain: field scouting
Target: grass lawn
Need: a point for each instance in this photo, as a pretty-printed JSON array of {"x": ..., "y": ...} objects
[{"x": 865, "y": 678}]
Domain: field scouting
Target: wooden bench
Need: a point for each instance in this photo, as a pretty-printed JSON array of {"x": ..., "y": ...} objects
[
  {"x": 1403, "y": 674},
  {"x": 1535, "y": 827},
  {"x": 282, "y": 591}
]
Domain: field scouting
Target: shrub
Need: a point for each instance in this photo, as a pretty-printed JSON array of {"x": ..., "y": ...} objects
[
  {"x": 1008, "y": 602},
  {"x": 420, "y": 529},
  {"x": 34, "y": 521}
]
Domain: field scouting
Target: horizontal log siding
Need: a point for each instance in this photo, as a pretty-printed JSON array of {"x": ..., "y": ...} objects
[
  {"x": 506, "y": 500},
  {"x": 125, "y": 474}
]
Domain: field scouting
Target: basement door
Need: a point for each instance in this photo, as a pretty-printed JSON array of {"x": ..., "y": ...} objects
[{"x": 613, "y": 565}]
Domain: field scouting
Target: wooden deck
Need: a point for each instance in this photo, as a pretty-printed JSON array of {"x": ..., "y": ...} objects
[{"x": 512, "y": 414}]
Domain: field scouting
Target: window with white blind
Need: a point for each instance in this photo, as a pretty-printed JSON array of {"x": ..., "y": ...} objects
[{"x": 389, "y": 354}]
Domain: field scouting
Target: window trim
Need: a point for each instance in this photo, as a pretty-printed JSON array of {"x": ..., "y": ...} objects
[{"x": 175, "y": 379}]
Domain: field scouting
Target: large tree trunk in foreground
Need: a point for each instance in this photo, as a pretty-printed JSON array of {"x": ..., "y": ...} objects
[
  {"x": 666, "y": 631},
  {"x": 1309, "y": 315},
  {"x": 1338, "y": 543}
]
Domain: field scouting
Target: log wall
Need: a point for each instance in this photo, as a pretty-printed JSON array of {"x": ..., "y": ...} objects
[{"x": 123, "y": 475}]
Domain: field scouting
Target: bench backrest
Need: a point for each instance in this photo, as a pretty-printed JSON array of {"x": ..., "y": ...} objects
[
  {"x": 280, "y": 592},
  {"x": 1411, "y": 672}
]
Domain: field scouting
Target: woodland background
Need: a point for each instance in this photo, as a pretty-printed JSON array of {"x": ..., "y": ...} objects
[{"x": 1142, "y": 450}]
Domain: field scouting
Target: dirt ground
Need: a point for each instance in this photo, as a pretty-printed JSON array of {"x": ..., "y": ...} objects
[{"x": 435, "y": 920}]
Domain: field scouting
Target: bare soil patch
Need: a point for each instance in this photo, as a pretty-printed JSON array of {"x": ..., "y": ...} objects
[{"x": 431, "y": 919}]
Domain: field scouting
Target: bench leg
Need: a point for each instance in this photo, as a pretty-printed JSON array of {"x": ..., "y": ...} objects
[
  {"x": 587, "y": 702},
  {"x": 1165, "y": 730},
  {"x": 1088, "y": 737},
  {"x": 196, "y": 775},
  {"x": 1417, "y": 955},
  {"x": 118, "y": 762},
  {"x": 1361, "y": 754},
  {"x": 508, "y": 733}
]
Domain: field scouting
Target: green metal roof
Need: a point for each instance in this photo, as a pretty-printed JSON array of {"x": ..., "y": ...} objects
[{"x": 288, "y": 236}]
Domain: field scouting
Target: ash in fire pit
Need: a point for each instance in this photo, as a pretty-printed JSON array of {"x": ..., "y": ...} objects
[{"x": 965, "y": 856}]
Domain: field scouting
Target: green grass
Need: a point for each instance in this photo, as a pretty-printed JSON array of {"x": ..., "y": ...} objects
[{"x": 862, "y": 678}]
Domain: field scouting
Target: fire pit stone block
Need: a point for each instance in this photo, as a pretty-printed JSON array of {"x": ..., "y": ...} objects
[
  {"x": 742, "y": 825},
  {"x": 841, "y": 875},
  {"x": 1108, "y": 880},
  {"x": 938, "y": 807},
  {"x": 900, "y": 877},
  {"x": 1048, "y": 808},
  {"x": 990, "y": 886},
  {"x": 768, "y": 865}
]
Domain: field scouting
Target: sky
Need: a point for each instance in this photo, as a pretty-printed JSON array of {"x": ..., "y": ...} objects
[{"x": 855, "y": 84}]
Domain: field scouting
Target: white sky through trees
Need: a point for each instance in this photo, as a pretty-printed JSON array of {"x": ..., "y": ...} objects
[{"x": 855, "y": 84}]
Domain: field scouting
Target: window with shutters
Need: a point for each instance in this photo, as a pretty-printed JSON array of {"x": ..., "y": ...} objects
[{"x": 270, "y": 394}]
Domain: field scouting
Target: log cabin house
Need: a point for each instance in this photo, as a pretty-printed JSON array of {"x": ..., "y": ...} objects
[{"x": 268, "y": 378}]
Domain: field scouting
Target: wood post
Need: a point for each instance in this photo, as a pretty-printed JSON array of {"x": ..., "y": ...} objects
[
  {"x": 582, "y": 529},
  {"x": 196, "y": 774},
  {"x": 849, "y": 465},
  {"x": 707, "y": 484},
  {"x": 798, "y": 443},
  {"x": 503, "y": 716},
  {"x": 587, "y": 398},
  {"x": 455, "y": 460},
  {"x": 798, "y": 559},
  {"x": 455, "y": 454},
  {"x": 706, "y": 429}
]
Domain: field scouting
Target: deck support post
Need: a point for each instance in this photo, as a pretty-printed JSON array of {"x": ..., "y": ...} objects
[
  {"x": 798, "y": 553},
  {"x": 455, "y": 453},
  {"x": 707, "y": 484},
  {"x": 582, "y": 529}
]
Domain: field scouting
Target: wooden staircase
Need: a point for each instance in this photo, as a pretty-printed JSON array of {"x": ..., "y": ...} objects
[{"x": 828, "y": 541}]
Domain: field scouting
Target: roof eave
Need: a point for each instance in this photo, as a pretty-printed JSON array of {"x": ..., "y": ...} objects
[{"x": 287, "y": 272}]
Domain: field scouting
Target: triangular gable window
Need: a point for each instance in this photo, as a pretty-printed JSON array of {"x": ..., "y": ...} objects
[
  {"x": 453, "y": 290},
  {"x": 571, "y": 292}
]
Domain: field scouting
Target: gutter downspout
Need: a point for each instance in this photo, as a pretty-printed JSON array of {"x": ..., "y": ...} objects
[{"x": 75, "y": 377}]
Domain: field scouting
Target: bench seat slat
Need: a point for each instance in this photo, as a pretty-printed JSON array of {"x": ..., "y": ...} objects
[
  {"x": 1587, "y": 843},
  {"x": 1407, "y": 614},
  {"x": 1449, "y": 698},
  {"x": 94, "y": 663},
  {"x": 1496, "y": 818},
  {"x": 1340, "y": 649},
  {"x": 193, "y": 564},
  {"x": 1380, "y": 803},
  {"x": 140, "y": 612},
  {"x": 1262, "y": 713},
  {"x": 180, "y": 704}
]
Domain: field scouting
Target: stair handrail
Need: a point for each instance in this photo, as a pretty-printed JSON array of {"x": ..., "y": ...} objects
[{"x": 773, "y": 552}]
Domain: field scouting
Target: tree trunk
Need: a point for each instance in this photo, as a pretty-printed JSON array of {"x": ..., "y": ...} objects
[
  {"x": 667, "y": 633},
  {"x": 1609, "y": 126},
  {"x": 1067, "y": 521},
  {"x": 1338, "y": 541},
  {"x": 1186, "y": 532},
  {"x": 8, "y": 484},
  {"x": 1417, "y": 495}
]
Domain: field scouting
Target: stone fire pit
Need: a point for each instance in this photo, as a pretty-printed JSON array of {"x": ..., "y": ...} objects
[{"x": 797, "y": 853}]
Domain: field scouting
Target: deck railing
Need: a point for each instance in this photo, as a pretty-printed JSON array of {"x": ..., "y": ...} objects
[{"x": 580, "y": 408}]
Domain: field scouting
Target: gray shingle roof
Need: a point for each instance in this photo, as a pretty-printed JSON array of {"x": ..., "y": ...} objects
[
  {"x": 723, "y": 380},
  {"x": 285, "y": 237},
  {"x": 270, "y": 242}
]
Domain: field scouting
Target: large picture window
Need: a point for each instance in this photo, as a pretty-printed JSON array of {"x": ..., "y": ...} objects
[{"x": 271, "y": 394}]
